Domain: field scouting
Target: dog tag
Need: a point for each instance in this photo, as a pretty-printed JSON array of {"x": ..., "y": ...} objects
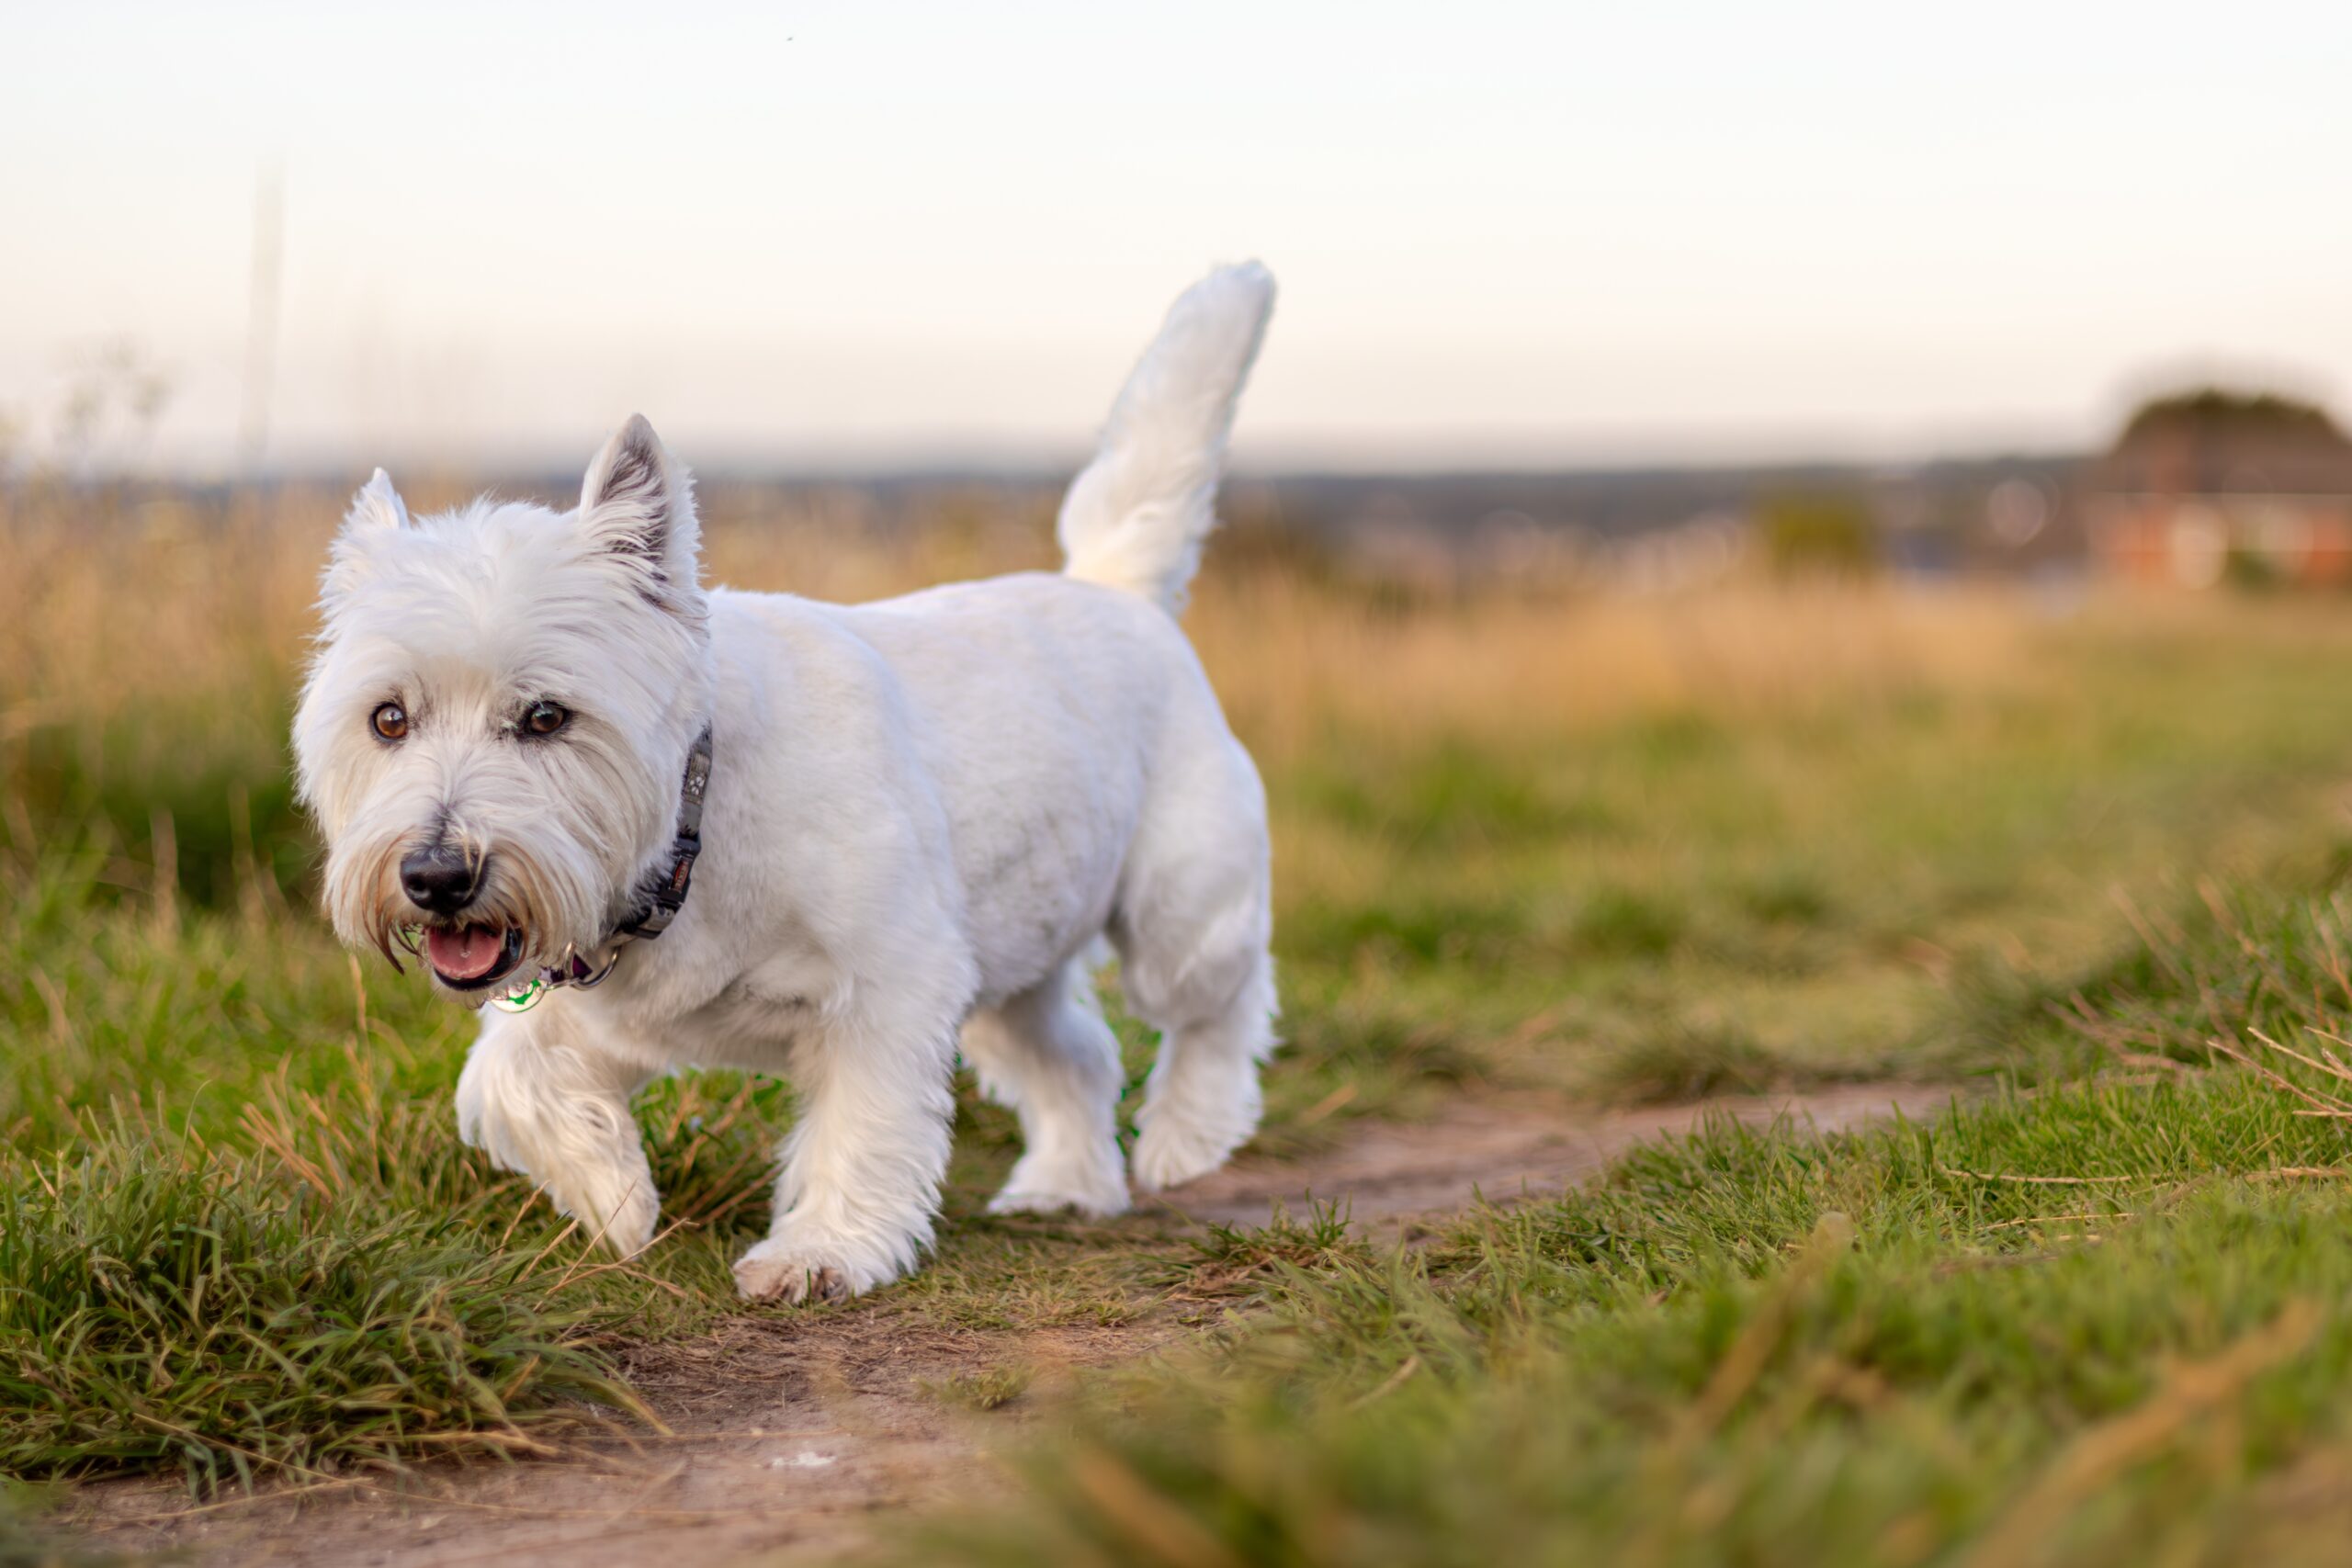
[{"x": 523, "y": 1000}]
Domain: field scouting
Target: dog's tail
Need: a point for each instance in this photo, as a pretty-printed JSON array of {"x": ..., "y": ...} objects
[{"x": 1138, "y": 515}]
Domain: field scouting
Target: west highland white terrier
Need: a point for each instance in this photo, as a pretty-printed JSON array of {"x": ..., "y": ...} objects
[{"x": 659, "y": 826}]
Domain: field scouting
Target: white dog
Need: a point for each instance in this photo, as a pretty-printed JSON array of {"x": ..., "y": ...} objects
[{"x": 535, "y": 741}]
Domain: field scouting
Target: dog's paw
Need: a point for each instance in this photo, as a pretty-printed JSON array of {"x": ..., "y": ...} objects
[
  {"x": 1172, "y": 1150},
  {"x": 1094, "y": 1188},
  {"x": 796, "y": 1268}
]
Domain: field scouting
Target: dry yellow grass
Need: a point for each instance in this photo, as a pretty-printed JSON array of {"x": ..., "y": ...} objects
[
  {"x": 1296, "y": 664},
  {"x": 175, "y": 600}
]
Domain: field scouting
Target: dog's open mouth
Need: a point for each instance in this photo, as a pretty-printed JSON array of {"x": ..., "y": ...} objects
[{"x": 467, "y": 958}]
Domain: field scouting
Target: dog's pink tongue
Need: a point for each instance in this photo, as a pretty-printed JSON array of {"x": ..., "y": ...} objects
[{"x": 467, "y": 955}]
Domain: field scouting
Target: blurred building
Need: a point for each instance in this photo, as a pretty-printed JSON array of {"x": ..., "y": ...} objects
[{"x": 2212, "y": 483}]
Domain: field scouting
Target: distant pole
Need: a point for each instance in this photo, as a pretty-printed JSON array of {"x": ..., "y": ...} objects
[{"x": 261, "y": 319}]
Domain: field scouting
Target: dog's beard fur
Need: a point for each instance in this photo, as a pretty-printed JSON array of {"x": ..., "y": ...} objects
[
  {"x": 545, "y": 845},
  {"x": 466, "y": 620}
]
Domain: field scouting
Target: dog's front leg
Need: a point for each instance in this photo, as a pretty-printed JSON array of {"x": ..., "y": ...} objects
[
  {"x": 862, "y": 1163},
  {"x": 539, "y": 1098}
]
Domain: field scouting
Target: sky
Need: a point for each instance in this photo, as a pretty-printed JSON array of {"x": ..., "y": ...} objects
[{"x": 835, "y": 235}]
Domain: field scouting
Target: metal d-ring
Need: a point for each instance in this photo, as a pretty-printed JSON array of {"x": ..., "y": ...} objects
[{"x": 612, "y": 961}]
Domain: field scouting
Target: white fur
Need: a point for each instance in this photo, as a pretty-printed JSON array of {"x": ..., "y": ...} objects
[
  {"x": 923, "y": 815},
  {"x": 1136, "y": 517}
]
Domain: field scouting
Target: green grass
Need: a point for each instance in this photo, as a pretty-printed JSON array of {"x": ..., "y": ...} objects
[
  {"x": 200, "y": 1313},
  {"x": 1807, "y": 886},
  {"x": 980, "y": 1389},
  {"x": 2151, "y": 1398},
  {"x": 2103, "y": 1322}
]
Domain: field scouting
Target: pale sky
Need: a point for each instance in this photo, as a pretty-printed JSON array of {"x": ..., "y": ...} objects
[{"x": 834, "y": 234}]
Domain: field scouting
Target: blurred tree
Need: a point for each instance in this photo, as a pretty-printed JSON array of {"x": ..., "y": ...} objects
[
  {"x": 1828, "y": 535},
  {"x": 2224, "y": 407},
  {"x": 2208, "y": 440}
]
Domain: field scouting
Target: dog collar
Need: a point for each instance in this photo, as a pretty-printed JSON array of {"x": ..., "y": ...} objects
[{"x": 660, "y": 896}]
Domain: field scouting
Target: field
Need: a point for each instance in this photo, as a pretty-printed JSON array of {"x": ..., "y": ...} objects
[{"x": 1535, "y": 848}]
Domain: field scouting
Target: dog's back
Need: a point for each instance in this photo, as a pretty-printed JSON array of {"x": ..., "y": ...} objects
[{"x": 1059, "y": 717}]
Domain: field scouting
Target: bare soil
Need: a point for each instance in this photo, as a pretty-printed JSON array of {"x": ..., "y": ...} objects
[
  {"x": 1389, "y": 1172},
  {"x": 795, "y": 1439}
]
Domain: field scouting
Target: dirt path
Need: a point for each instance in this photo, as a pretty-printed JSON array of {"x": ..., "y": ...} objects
[
  {"x": 1502, "y": 1150},
  {"x": 793, "y": 1437}
]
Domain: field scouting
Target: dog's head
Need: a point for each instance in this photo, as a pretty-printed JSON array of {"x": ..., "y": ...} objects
[{"x": 494, "y": 726}]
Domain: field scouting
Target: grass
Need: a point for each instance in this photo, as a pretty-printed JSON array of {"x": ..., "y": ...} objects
[
  {"x": 2101, "y": 1323},
  {"x": 2152, "y": 1401},
  {"x": 199, "y": 1313},
  {"x": 1237, "y": 1260},
  {"x": 1526, "y": 843},
  {"x": 980, "y": 1389}
]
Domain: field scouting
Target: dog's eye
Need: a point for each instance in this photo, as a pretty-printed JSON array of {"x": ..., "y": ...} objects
[
  {"x": 390, "y": 721},
  {"x": 546, "y": 718}
]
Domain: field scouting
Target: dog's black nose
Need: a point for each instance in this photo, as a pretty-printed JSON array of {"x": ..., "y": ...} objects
[{"x": 438, "y": 879}]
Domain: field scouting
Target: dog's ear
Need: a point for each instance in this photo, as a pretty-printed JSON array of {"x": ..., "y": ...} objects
[
  {"x": 638, "y": 504},
  {"x": 377, "y": 505},
  {"x": 376, "y": 510}
]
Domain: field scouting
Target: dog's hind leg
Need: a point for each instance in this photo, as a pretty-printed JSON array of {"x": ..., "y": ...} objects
[
  {"x": 539, "y": 1098},
  {"x": 1203, "y": 1100},
  {"x": 1193, "y": 920},
  {"x": 1048, "y": 1055}
]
